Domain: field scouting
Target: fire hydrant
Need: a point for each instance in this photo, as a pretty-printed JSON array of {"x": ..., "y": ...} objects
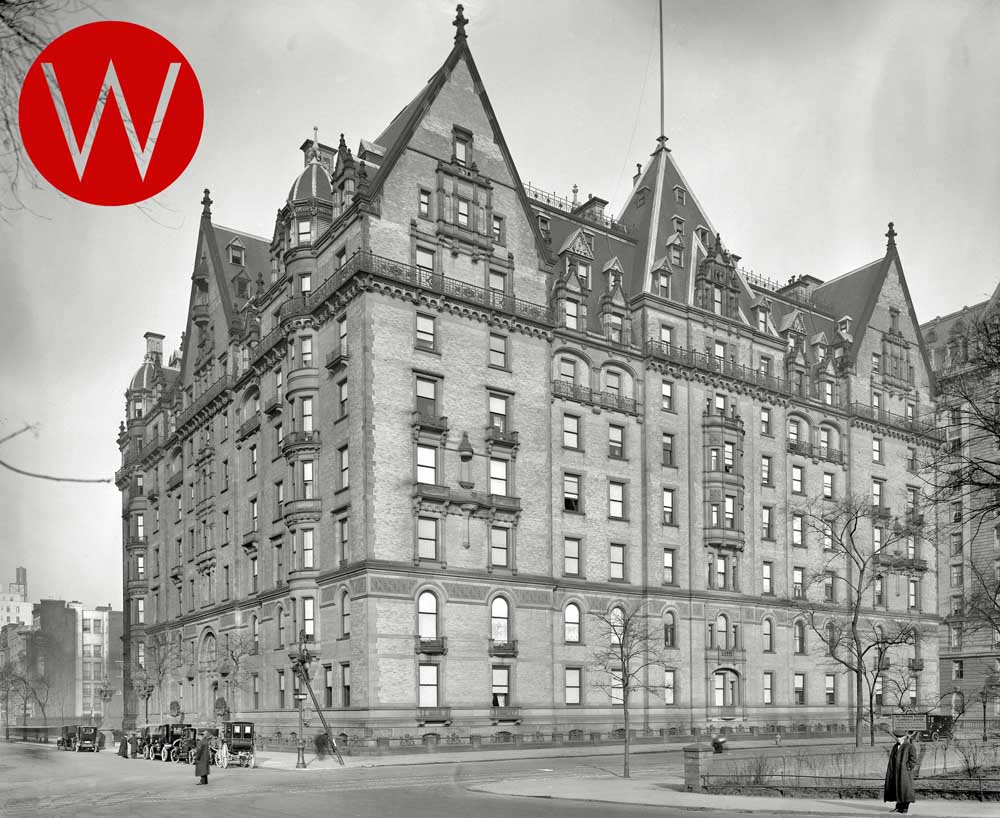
[
  {"x": 777, "y": 739},
  {"x": 718, "y": 743}
]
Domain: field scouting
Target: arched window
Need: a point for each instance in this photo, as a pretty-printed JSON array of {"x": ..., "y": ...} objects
[
  {"x": 722, "y": 631},
  {"x": 726, "y": 688},
  {"x": 255, "y": 634},
  {"x": 767, "y": 629},
  {"x": 616, "y": 619},
  {"x": 669, "y": 630},
  {"x": 345, "y": 614},
  {"x": 500, "y": 620},
  {"x": 427, "y": 615},
  {"x": 208, "y": 649},
  {"x": 279, "y": 616},
  {"x": 571, "y": 622},
  {"x": 799, "y": 632}
]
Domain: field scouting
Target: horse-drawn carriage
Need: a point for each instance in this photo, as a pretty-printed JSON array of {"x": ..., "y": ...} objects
[{"x": 236, "y": 745}]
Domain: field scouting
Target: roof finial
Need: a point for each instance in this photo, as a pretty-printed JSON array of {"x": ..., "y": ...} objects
[
  {"x": 459, "y": 23},
  {"x": 206, "y": 204},
  {"x": 576, "y": 190},
  {"x": 891, "y": 235}
]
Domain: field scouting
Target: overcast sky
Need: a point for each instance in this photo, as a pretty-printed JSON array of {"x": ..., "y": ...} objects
[{"x": 803, "y": 126}]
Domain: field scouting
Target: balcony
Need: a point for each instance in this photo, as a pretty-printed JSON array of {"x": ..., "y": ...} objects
[
  {"x": 584, "y": 394},
  {"x": 136, "y": 586},
  {"x": 914, "y": 519},
  {"x": 431, "y": 647},
  {"x": 501, "y": 437},
  {"x": 248, "y": 427},
  {"x": 916, "y": 665},
  {"x": 899, "y": 561},
  {"x": 299, "y": 511},
  {"x": 503, "y": 648},
  {"x": 294, "y": 308},
  {"x": 338, "y": 357},
  {"x": 882, "y": 512},
  {"x": 462, "y": 497},
  {"x": 273, "y": 405},
  {"x": 137, "y": 542},
  {"x": 709, "y": 363},
  {"x": 724, "y": 711},
  {"x": 715, "y": 417},
  {"x": 505, "y": 714},
  {"x": 303, "y": 379},
  {"x": 424, "y": 421},
  {"x": 877, "y": 415},
  {"x": 733, "y": 538},
  {"x": 204, "y": 400},
  {"x": 200, "y": 313},
  {"x": 433, "y": 715},
  {"x": 175, "y": 480},
  {"x": 725, "y": 656},
  {"x": 295, "y": 442},
  {"x": 815, "y": 452},
  {"x": 176, "y": 570}
]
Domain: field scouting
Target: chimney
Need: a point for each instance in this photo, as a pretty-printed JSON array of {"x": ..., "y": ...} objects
[{"x": 154, "y": 347}]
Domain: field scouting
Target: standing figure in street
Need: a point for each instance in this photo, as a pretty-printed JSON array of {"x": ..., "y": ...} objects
[
  {"x": 899, "y": 773},
  {"x": 123, "y": 746},
  {"x": 202, "y": 756}
]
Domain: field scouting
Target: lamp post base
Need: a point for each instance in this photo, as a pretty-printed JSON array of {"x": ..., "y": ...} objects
[{"x": 300, "y": 764}]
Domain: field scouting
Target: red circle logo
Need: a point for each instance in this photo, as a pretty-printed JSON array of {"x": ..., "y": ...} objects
[{"x": 111, "y": 113}]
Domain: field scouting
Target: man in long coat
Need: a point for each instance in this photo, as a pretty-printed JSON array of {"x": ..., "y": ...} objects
[
  {"x": 202, "y": 755},
  {"x": 899, "y": 773}
]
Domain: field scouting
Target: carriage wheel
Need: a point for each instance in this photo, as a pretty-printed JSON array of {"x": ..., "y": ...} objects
[
  {"x": 190, "y": 756},
  {"x": 175, "y": 754},
  {"x": 935, "y": 736},
  {"x": 165, "y": 753},
  {"x": 222, "y": 756}
]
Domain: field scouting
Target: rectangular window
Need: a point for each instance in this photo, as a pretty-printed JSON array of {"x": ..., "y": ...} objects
[
  {"x": 571, "y": 492},
  {"x": 571, "y": 312},
  {"x": 957, "y": 670},
  {"x": 573, "y": 685},
  {"x": 669, "y": 687},
  {"x": 424, "y": 206},
  {"x": 668, "y": 449},
  {"x": 308, "y": 484},
  {"x": 957, "y": 576},
  {"x": 797, "y": 479},
  {"x": 345, "y": 685},
  {"x": 957, "y": 545},
  {"x": 255, "y": 686},
  {"x": 876, "y": 450},
  {"x": 253, "y": 460},
  {"x": 500, "y": 687},
  {"x": 463, "y": 213},
  {"x": 667, "y": 396},
  {"x": 668, "y": 566},
  {"x": 571, "y": 432},
  {"x": 829, "y": 589},
  {"x": 765, "y": 421},
  {"x": 309, "y": 617},
  {"x": 499, "y": 546},
  {"x": 427, "y": 464},
  {"x": 254, "y": 518},
  {"x": 427, "y": 538},
  {"x": 425, "y": 332},
  {"x": 831, "y": 688},
  {"x": 767, "y": 578},
  {"x": 765, "y": 470},
  {"x": 254, "y": 575},
  {"x": 428, "y": 686},
  {"x": 616, "y": 500},
  {"x": 281, "y": 689},
  {"x": 827, "y": 485},
  {"x": 498, "y": 351},
  {"x": 730, "y": 512},
  {"x": 913, "y": 594},
  {"x": 328, "y": 685},
  {"x": 497, "y": 406},
  {"x": 668, "y": 507},
  {"x": 498, "y": 476},
  {"x": 616, "y": 561},
  {"x": 766, "y": 523},
  {"x": 427, "y": 397},
  {"x": 798, "y": 580},
  {"x": 305, "y": 284},
  {"x": 425, "y": 263},
  {"x": 768, "y": 687},
  {"x": 799, "y": 688},
  {"x": 571, "y": 556},
  {"x": 616, "y": 441},
  {"x": 877, "y": 493},
  {"x": 307, "y": 414},
  {"x": 498, "y": 231},
  {"x": 462, "y": 147},
  {"x": 345, "y": 463},
  {"x": 307, "y": 548},
  {"x": 798, "y": 531}
]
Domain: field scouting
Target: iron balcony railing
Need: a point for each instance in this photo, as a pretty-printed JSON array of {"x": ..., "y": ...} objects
[
  {"x": 584, "y": 394},
  {"x": 877, "y": 415},
  {"x": 722, "y": 366},
  {"x": 204, "y": 399}
]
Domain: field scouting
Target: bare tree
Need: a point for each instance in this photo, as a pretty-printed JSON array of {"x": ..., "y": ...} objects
[
  {"x": 844, "y": 597},
  {"x": 982, "y": 601},
  {"x": 235, "y": 660},
  {"x": 625, "y": 648},
  {"x": 162, "y": 659},
  {"x": 9, "y": 681}
]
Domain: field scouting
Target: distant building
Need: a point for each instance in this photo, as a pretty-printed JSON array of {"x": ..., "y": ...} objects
[
  {"x": 440, "y": 418},
  {"x": 14, "y": 605}
]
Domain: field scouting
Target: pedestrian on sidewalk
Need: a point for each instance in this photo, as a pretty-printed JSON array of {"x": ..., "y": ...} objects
[
  {"x": 123, "y": 746},
  {"x": 202, "y": 754},
  {"x": 899, "y": 773}
]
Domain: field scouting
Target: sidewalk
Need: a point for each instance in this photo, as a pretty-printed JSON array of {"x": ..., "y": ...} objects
[{"x": 646, "y": 788}]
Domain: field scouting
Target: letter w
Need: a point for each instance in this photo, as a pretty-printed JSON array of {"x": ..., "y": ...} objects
[{"x": 81, "y": 155}]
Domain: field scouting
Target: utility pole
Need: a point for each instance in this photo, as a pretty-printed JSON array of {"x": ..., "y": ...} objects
[{"x": 300, "y": 666}]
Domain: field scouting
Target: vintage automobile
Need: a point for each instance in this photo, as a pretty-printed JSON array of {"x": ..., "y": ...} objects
[
  {"x": 87, "y": 739},
  {"x": 182, "y": 749},
  {"x": 930, "y": 726},
  {"x": 236, "y": 745},
  {"x": 67, "y": 738},
  {"x": 164, "y": 738}
]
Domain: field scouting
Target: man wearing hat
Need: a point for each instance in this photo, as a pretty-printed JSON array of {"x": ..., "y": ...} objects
[
  {"x": 899, "y": 773},
  {"x": 202, "y": 755}
]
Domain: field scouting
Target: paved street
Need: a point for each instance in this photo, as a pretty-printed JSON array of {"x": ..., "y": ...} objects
[{"x": 36, "y": 780}]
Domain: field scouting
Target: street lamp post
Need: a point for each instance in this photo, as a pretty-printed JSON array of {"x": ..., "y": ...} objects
[
  {"x": 144, "y": 690},
  {"x": 107, "y": 693},
  {"x": 300, "y": 666}
]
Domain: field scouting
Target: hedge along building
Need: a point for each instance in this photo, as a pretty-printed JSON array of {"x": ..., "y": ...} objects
[{"x": 441, "y": 419}]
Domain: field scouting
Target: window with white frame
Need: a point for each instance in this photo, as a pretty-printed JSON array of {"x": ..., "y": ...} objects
[
  {"x": 427, "y": 615},
  {"x": 616, "y": 500},
  {"x": 427, "y": 695},
  {"x": 427, "y": 538},
  {"x": 668, "y": 566},
  {"x": 499, "y": 476},
  {"x": 499, "y": 546},
  {"x": 668, "y": 507},
  {"x": 573, "y": 685},
  {"x": 571, "y": 432},
  {"x": 571, "y": 623},
  {"x": 616, "y": 561},
  {"x": 426, "y": 464},
  {"x": 571, "y": 556}
]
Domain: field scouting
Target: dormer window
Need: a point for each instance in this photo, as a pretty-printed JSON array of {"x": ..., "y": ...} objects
[
  {"x": 235, "y": 254},
  {"x": 463, "y": 213},
  {"x": 242, "y": 287},
  {"x": 761, "y": 320},
  {"x": 820, "y": 352},
  {"x": 676, "y": 256},
  {"x": 680, "y": 195},
  {"x": 305, "y": 283},
  {"x": 663, "y": 285},
  {"x": 543, "y": 223},
  {"x": 614, "y": 329},
  {"x": 462, "y": 146},
  {"x": 678, "y": 224},
  {"x": 717, "y": 300},
  {"x": 702, "y": 233},
  {"x": 572, "y": 313},
  {"x": 583, "y": 272},
  {"x": 893, "y": 320}
]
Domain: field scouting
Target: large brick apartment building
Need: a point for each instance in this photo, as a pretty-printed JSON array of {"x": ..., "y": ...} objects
[{"x": 440, "y": 419}]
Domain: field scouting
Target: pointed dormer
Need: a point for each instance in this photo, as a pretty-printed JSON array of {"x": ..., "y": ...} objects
[
  {"x": 717, "y": 285},
  {"x": 613, "y": 307},
  {"x": 577, "y": 254},
  {"x": 569, "y": 300}
]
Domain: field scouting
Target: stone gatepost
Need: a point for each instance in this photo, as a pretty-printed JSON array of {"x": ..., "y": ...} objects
[{"x": 695, "y": 765}]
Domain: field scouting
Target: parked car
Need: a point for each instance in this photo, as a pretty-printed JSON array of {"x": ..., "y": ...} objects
[
  {"x": 67, "y": 737},
  {"x": 87, "y": 739}
]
